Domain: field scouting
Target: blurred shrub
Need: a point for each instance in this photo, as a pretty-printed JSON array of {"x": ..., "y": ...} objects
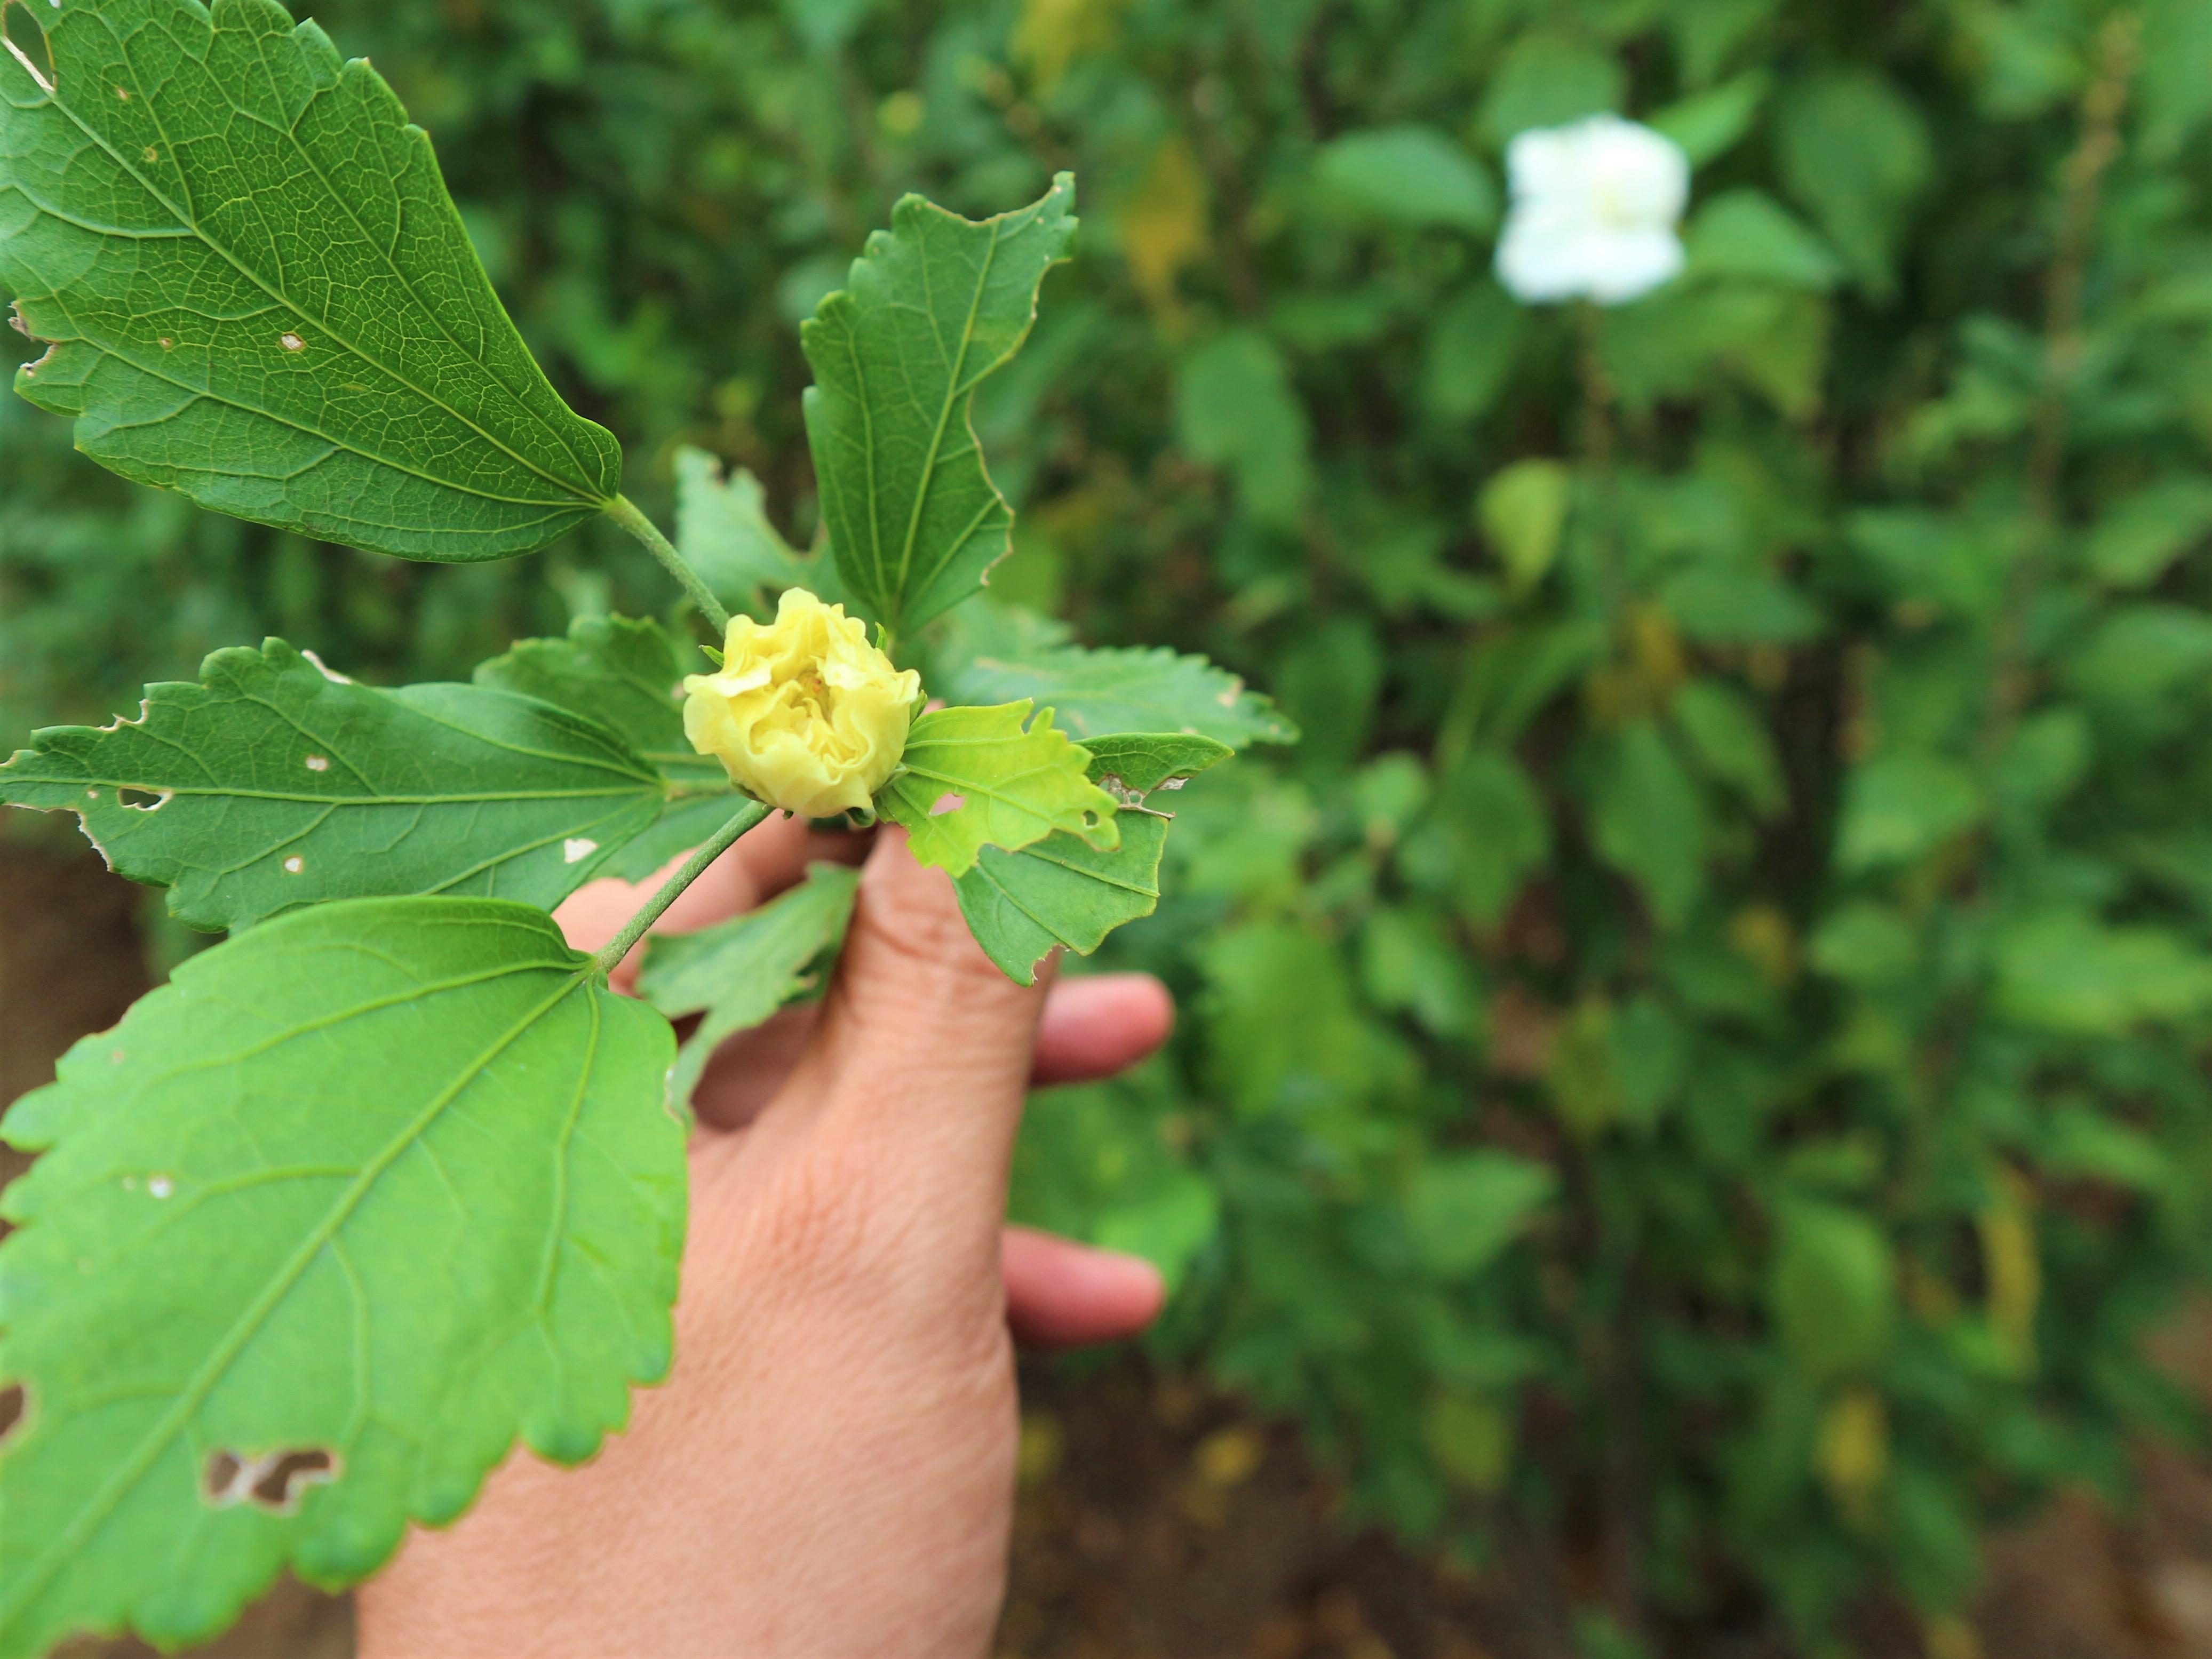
[{"x": 1698, "y": 1062}]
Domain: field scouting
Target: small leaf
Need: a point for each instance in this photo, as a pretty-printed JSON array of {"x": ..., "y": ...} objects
[
  {"x": 1236, "y": 408},
  {"x": 1710, "y": 124},
  {"x": 1099, "y": 693},
  {"x": 1471, "y": 349},
  {"x": 1832, "y": 1288},
  {"x": 1648, "y": 822},
  {"x": 1416, "y": 175},
  {"x": 1061, "y": 893},
  {"x": 1746, "y": 233},
  {"x": 1855, "y": 151},
  {"x": 974, "y": 778},
  {"x": 722, "y": 528},
  {"x": 739, "y": 973},
  {"x": 261, "y": 295},
  {"x": 2138, "y": 540},
  {"x": 1902, "y": 804},
  {"x": 1523, "y": 511},
  {"x": 1466, "y": 1207},
  {"x": 2066, "y": 972},
  {"x": 934, "y": 306},
  {"x": 273, "y": 784},
  {"x": 629, "y": 675},
  {"x": 381, "y": 1185},
  {"x": 1137, "y": 763}
]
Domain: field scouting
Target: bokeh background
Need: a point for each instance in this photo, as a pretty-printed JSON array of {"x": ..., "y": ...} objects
[{"x": 1691, "y": 1132}]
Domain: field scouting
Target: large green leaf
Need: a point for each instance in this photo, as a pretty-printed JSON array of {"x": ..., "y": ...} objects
[
  {"x": 739, "y": 973},
  {"x": 274, "y": 783},
  {"x": 260, "y": 293},
  {"x": 319, "y": 1230},
  {"x": 628, "y": 675},
  {"x": 1063, "y": 893},
  {"x": 934, "y": 306},
  {"x": 1097, "y": 693},
  {"x": 972, "y": 778}
]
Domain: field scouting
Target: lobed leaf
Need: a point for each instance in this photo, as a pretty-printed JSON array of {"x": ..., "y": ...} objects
[
  {"x": 273, "y": 784},
  {"x": 972, "y": 778},
  {"x": 319, "y": 1230},
  {"x": 935, "y": 305},
  {"x": 1063, "y": 893},
  {"x": 1105, "y": 693},
  {"x": 630, "y": 676},
  {"x": 259, "y": 293},
  {"x": 739, "y": 973}
]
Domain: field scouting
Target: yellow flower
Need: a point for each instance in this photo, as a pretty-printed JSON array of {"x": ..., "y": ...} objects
[{"x": 806, "y": 714}]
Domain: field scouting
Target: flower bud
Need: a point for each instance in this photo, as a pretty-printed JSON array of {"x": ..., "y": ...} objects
[{"x": 806, "y": 714}]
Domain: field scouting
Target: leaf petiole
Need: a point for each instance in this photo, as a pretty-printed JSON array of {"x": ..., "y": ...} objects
[
  {"x": 606, "y": 960},
  {"x": 625, "y": 512}
]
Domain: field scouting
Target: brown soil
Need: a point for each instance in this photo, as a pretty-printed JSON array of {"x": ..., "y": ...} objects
[{"x": 1157, "y": 1521}]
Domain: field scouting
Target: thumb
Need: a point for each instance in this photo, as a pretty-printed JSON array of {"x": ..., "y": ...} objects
[{"x": 925, "y": 1049}]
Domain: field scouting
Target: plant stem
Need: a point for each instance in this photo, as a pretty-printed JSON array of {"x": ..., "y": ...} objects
[
  {"x": 624, "y": 512},
  {"x": 608, "y": 959}
]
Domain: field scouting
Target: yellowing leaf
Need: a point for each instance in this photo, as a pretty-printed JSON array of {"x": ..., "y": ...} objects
[
  {"x": 1053, "y": 33},
  {"x": 1164, "y": 226},
  {"x": 974, "y": 778}
]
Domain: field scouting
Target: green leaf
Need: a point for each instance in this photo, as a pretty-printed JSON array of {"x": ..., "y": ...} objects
[
  {"x": 261, "y": 294},
  {"x": 1100, "y": 694},
  {"x": 1466, "y": 1207},
  {"x": 934, "y": 306},
  {"x": 1523, "y": 513},
  {"x": 2067, "y": 972},
  {"x": 722, "y": 528},
  {"x": 1102, "y": 1165},
  {"x": 1470, "y": 352},
  {"x": 1648, "y": 821},
  {"x": 2138, "y": 540},
  {"x": 1731, "y": 741},
  {"x": 1061, "y": 893},
  {"x": 1547, "y": 79},
  {"x": 972, "y": 778},
  {"x": 628, "y": 675},
  {"x": 1746, "y": 233},
  {"x": 739, "y": 973},
  {"x": 1485, "y": 835},
  {"x": 1832, "y": 1288},
  {"x": 1136, "y": 763},
  {"x": 1236, "y": 408},
  {"x": 1414, "y": 175},
  {"x": 273, "y": 784},
  {"x": 1708, "y": 125},
  {"x": 1856, "y": 153},
  {"x": 323, "y": 1225},
  {"x": 1902, "y": 804},
  {"x": 1064, "y": 893}
]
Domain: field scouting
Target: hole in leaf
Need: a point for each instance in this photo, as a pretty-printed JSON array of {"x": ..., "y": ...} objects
[
  {"x": 947, "y": 804},
  {"x": 292, "y": 1473},
  {"x": 273, "y": 1483},
  {"x": 145, "y": 800},
  {"x": 26, "y": 41},
  {"x": 15, "y": 1412}
]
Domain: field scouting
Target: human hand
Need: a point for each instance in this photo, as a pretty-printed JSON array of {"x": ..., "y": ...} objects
[{"x": 830, "y": 1470}]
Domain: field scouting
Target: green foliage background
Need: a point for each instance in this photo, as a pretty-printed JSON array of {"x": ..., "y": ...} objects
[{"x": 1694, "y": 1068}]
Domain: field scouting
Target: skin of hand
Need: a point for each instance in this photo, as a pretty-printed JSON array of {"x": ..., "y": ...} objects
[{"x": 830, "y": 1472}]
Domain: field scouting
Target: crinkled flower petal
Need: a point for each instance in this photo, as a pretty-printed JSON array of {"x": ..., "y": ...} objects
[{"x": 805, "y": 713}]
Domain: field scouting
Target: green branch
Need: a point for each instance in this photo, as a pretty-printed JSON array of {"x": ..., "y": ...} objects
[
  {"x": 624, "y": 512},
  {"x": 608, "y": 959}
]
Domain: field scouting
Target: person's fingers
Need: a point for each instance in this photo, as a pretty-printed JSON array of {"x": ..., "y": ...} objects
[
  {"x": 1060, "y": 1294},
  {"x": 1099, "y": 1027},
  {"x": 1093, "y": 1029},
  {"x": 921, "y": 1060},
  {"x": 766, "y": 862}
]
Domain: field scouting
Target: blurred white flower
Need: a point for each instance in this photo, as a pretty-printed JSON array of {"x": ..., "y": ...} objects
[{"x": 1595, "y": 207}]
